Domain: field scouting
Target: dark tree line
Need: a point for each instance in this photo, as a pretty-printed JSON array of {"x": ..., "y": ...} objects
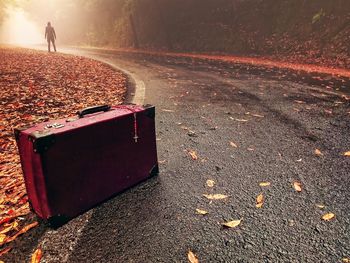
[{"x": 238, "y": 26}]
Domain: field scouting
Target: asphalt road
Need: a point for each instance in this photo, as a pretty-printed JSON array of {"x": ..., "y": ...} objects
[{"x": 276, "y": 118}]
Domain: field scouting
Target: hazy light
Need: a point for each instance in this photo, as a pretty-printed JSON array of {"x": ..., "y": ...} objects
[{"x": 18, "y": 29}]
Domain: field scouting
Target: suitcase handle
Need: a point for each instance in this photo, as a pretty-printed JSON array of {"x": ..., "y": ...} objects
[{"x": 91, "y": 110}]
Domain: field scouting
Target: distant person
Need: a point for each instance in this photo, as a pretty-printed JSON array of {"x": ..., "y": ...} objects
[{"x": 50, "y": 36}]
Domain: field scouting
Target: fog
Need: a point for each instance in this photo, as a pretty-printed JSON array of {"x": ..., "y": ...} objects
[
  {"x": 18, "y": 28},
  {"x": 296, "y": 28}
]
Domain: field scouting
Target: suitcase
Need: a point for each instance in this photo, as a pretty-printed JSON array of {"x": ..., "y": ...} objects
[{"x": 71, "y": 165}]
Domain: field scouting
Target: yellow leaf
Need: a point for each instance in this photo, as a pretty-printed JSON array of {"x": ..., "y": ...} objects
[
  {"x": 192, "y": 257},
  {"x": 22, "y": 231},
  {"x": 347, "y": 153},
  {"x": 318, "y": 152},
  {"x": 297, "y": 186},
  {"x": 193, "y": 155},
  {"x": 320, "y": 206},
  {"x": 215, "y": 196},
  {"x": 201, "y": 212},
  {"x": 262, "y": 184},
  {"x": 6, "y": 230},
  {"x": 259, "y": 205},
  {"x": 259, "y": 200},
  {"x": 2, "y": 238},
  {"x": 328, "y": 216},
  {"x": 345, "y": 260},
  {"x": 233, "y": 144},
  {"x": 232, "y": 224},
  {"x": 36, "y": 257},
  {"x": 210, "y": 183}
]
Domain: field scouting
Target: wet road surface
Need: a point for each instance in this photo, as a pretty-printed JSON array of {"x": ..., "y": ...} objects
[{"x": 275, "y": 118}]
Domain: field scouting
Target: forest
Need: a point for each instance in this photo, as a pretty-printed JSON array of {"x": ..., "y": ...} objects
[{"x": 316, "y": 29}]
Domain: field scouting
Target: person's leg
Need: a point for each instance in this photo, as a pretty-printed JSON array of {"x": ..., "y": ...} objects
[
  {"x": 54, "y": 45},
  {"x": 48, "y": 44}
]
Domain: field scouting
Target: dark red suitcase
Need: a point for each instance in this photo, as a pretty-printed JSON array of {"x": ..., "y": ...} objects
[{"x": 71, "y": 165}]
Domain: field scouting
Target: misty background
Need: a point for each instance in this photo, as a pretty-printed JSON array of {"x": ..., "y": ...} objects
[{"x": 315, "y": 31}]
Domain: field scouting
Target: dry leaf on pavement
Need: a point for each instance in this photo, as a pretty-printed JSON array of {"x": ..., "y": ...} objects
[
  {"x": 297, "y": 186},
  {"x": 347, "y": 153},
  {"x": 233, "y": 144},
  {"x": 36, "y": 257},
  {"x": 328, "y": 216},
  {"x": 201, "y": 212},
  {"x": 257, "y": 115},
  {"x": 192, "y": 257},
  {"x": 193, "y": 154},
  {"x": 259, "y": 200},
  {"x": 4, "y": 251},
  {"x": 22, "y": 231},
  {"x": 215, "y": 196},
  {"x": 232, "y": 224},
  {"x": 318, "y": 152},
  {"x": 210, "y": 183},
  {"x": 263, "y": 184},
  {"x": 320, "y": 206}
]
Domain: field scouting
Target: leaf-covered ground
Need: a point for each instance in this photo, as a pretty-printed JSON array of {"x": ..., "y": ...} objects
[{"x": 34, "y": 87}]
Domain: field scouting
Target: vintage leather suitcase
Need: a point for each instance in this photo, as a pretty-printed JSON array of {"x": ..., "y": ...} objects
[{"x": 71, "y": 165}]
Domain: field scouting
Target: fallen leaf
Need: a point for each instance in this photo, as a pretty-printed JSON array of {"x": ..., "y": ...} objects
[
  {"x": 320, "y": 206},
  {"x": 22, "y": 231},
  {"x": 345, "y": 260},
  {"x": 257, "y": 115},
  {"x": 2, "y": 238},
  {"x": 318, "y": 152},
  {"x": 263, "y": 184},
  {"x": 233, "y": 144},
  {"x": 4, "y": 251},
  {"x": 297, "y": 186},
  {"x": 36, "y": 257},
  {"x": 6, "y": 230},
  {"x": 192, "y": 257},
  {"x": 201, "y": 212},
  {"x": 328, "y": 216},
  {"x": 193, "y": 154},
  {"x": 259, "y": 201},
  {"x": 215, "y": 196},
  {"x": 347, "y": 153},
  {"x": 210, "y": 183},
  {"x": 232, "y": 224}
]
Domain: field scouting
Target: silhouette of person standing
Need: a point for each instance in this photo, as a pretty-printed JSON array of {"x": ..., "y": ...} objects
[{"x": 50, "y": 35}]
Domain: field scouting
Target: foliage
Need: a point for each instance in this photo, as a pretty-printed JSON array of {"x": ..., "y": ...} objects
[{"x": 34, "y": 87}]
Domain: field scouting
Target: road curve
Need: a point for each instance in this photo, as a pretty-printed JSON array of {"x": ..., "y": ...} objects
[{"x": 247, "y": 125}]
